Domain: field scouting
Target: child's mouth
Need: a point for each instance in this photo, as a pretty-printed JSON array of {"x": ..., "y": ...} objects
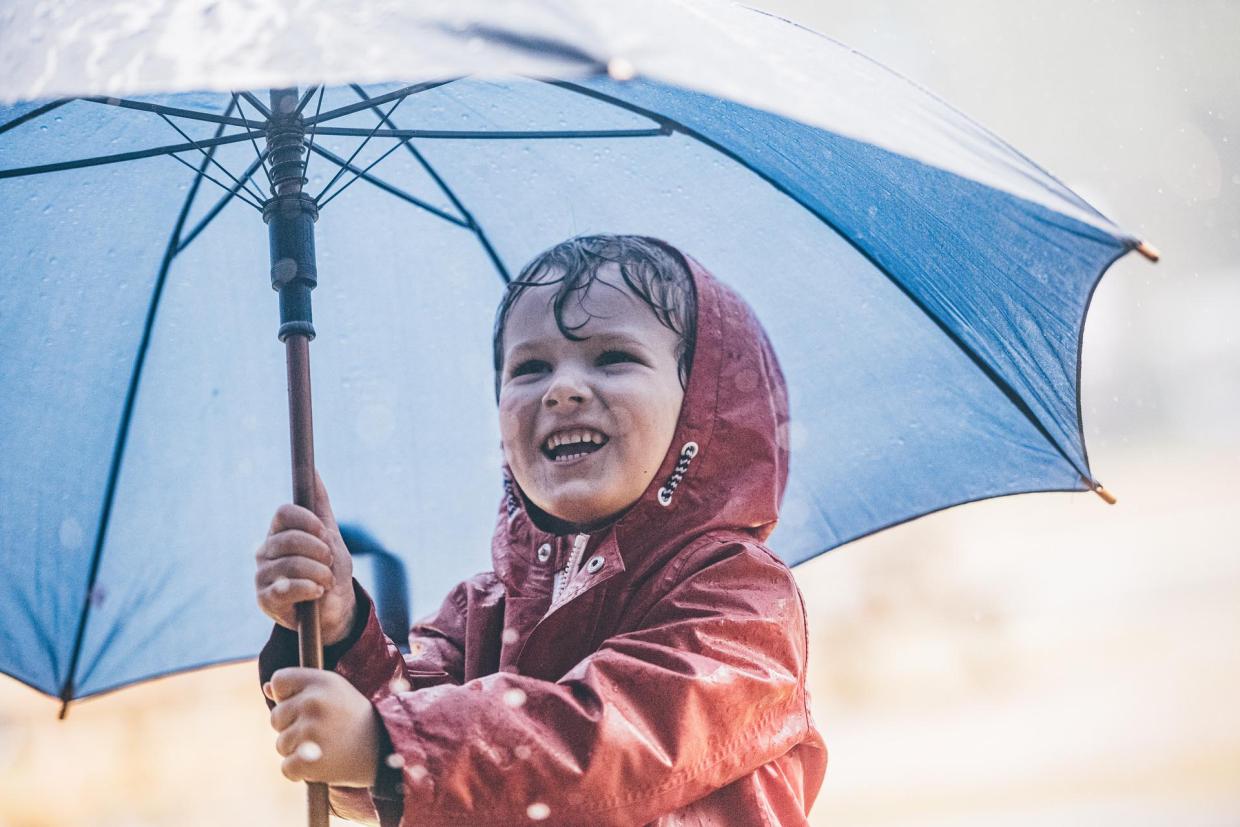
[{"x": 569, "y": 452}]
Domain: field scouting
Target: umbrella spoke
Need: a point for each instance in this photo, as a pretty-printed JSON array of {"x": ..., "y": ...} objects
[
  {"x": 192, "y": 114},
  {"x": 219, "y": 205},
  {"x": 259, "y": 105},
  {"x": 445, "y": 189},
  {"x": 232, "y": 191},
  {"x": 314, "y": 125},
  {"x": 34, "y": 113},
  {"x": 18, "y": 172},
  {"x": 237, "y": 101},
  {"x": 359, "y": 173},
  {"x": 360, "y": 147},
  {"x": 399, "y": 93},
  {"x": 301, "y": 104},
  {"x": 386, "y": 187},
  {"x": 211, "y": 158}
]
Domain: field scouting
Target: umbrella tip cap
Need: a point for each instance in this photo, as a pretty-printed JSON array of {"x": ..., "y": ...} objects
[
  {"x": 1149, "y": 251},
  {"x": 1107, "y": 496}
]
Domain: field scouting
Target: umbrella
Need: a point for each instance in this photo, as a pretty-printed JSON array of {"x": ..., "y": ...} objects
[{"x": 924, "y": 284}]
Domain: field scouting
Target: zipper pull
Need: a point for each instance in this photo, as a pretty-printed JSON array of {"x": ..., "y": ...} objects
[{"x": 574, "y": 562}]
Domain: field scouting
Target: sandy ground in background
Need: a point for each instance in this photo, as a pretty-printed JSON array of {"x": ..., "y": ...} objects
[{"x": 1028, "y": 661}]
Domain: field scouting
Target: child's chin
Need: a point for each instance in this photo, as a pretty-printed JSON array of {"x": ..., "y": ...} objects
[{"x": 579, "y": 511}]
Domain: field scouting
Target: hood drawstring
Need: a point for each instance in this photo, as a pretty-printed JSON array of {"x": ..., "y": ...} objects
[
  {"x": 687, "y": 453},
  {"x": 510, "y": 498}
]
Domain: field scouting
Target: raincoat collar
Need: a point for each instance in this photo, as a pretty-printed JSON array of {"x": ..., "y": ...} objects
[{"x": 726, "y": 467}]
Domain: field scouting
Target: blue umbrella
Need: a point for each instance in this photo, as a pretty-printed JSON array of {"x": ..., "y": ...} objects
[{"x": 924, "y": 284}]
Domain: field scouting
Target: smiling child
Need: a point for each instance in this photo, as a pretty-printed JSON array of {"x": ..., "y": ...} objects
[{"x": 636, "y": 655}]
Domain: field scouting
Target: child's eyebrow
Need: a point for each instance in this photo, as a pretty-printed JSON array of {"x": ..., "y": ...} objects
[{"x": 610, "y": 338}]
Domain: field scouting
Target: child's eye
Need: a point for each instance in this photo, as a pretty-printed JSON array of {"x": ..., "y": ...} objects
[
  {"x": 614, "y": 356},
  {"x": 529, "y": 366}
]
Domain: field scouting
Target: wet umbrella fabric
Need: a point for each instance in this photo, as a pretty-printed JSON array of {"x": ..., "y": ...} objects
[{"x": 924, "y": 285}]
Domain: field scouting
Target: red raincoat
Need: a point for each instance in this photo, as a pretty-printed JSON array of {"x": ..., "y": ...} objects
[{"x": 665, "y": 682}]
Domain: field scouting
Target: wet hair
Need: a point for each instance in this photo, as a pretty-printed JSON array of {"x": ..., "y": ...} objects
[{"x": 654, "y": 270}]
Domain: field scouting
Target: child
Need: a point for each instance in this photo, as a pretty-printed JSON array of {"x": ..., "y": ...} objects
[{"x": 637, "y": 655}]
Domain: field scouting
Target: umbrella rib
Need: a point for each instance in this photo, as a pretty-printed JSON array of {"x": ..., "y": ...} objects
[
  {"x": 386, "y": 187},
  {"x": 34, "y": 113},
  {"x": 122, "y": 156},
  {"x": 499, "y": 135},
  {"x": 403, "y": 93},
  {"x": 472, "y": 223},
  {"x": 192, "y": 114},
  {"x": 215, "y": 210},
  {"x": 237, "y": 100},
  {"x": 211, "y": 157},
  {"x": 1002, "y": 384},
  {"x": 122, "y": 435}
]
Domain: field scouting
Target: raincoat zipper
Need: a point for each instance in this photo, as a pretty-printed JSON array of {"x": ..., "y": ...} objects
[{"x": 574, "y": 560}]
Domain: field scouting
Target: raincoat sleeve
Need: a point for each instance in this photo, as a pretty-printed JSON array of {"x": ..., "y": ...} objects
[
  {"x": 705, "y": 688},
  {"x": 437, "y": 645},
  {"x": 370, "y": 660}
]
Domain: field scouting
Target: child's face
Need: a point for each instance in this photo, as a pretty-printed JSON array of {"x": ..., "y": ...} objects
[{"x": 620, "y": 386}]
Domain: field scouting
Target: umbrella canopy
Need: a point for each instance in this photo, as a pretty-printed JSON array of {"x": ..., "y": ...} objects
[{"x": 924, "y": 284}]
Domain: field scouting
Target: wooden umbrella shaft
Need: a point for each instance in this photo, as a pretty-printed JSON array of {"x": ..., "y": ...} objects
[{"x": 301, "y": 435}]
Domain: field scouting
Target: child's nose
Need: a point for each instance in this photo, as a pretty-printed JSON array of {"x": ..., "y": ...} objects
[{"x": 565, "y": 388}]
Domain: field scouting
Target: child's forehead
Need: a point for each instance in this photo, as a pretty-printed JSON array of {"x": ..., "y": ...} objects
[
  {"x": 604, "y": 296},
  {"x": 607, "y": 309}
]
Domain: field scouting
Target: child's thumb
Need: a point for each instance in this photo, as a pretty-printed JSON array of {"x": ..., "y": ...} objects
[{"x": 323, "y": 504}]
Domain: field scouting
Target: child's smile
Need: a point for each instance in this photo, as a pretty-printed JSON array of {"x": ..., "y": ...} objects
[{"x": 586, "y": 424}]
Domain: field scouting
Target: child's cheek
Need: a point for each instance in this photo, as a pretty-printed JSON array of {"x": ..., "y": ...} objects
[{"x": 509, "y": 425}]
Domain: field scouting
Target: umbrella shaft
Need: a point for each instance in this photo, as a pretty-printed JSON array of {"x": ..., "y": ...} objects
[{"x": 301, "y": 437}]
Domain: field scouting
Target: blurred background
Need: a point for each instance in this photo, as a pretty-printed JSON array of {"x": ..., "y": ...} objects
[{"x": 1033, "y": 660}]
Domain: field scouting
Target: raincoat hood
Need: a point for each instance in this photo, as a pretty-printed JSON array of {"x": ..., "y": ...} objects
[{"x": 727, "y": 464}]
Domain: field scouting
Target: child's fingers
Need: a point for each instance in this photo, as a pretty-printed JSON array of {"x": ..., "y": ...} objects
[
  {"x": 290, "y": 739},
  {"x": 284, "y": 592},
  {"x": 293, "y": 568},
  {"x": 302, "y": 764},
  {"x": 294, "y": 516},
  {"x": 294, "y": 543},
  {"x": 289, "y": 681}
]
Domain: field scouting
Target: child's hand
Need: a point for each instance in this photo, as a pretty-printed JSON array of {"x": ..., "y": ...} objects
[
  {"x": 329, "y": 732},
  {"x": 305, "y": 558}
]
